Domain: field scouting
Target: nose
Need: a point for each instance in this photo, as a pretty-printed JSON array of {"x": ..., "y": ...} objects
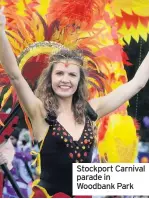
[{"x": 65, "y": 78}]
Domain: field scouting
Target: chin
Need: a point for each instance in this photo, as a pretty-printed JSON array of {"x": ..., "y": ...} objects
[{"x": 65, "y": 95}]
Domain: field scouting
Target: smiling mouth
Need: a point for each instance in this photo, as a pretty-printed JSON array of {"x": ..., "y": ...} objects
[{"x": 64, "y": 87}]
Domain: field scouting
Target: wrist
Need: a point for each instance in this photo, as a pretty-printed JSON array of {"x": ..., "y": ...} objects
[{"x": 2, "y": 31}]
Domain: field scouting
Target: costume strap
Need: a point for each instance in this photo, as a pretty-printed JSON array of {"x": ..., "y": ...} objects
[
  {"x": 50, "y": 119},
  {"x": 91, "y": 113}
]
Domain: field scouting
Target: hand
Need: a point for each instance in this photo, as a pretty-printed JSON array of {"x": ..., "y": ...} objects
[
  {"x": 3, "y": 159},
  {"x": 7, "y": 153},
  {"x": 103, "y": 160},
  {"x": 2, "y": 18}
]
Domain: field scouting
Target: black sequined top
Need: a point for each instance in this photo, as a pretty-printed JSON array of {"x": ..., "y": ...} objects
[{"x": 59, "y": 151}]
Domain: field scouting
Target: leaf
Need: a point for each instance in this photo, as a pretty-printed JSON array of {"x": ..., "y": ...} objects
[
  {"x": 1, "y": 123},
  {"x": 6, "y": 97}
]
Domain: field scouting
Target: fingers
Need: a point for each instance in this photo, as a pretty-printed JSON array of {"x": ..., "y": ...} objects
[
  {"x": 3, "y": 159},
  {"x": 103, "y": 160},
  {"x": 7, "y": 152},
  {"x": 2, "y": 18},
  {"x": 2, "y": 9}
]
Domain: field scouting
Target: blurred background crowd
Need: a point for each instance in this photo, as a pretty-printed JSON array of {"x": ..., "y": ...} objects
[{"x": 24, "y": 165}]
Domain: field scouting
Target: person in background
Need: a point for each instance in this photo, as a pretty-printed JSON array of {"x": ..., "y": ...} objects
[
  {"x": 19, "y": 170},
  {"x": 24, "y": 141},
  {"x": 6, "y": 157}
]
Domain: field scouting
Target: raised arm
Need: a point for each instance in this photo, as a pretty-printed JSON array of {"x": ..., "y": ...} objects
[
  {"x": 29, "y": 101},
  {"x": 119, "y": 96}
]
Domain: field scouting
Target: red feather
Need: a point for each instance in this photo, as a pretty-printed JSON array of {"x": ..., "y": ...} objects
[
  {"x": 10, "y": 127},
  {"x": 33, "y": 68},
  {"x": 136, "y": 123},
  {"x": 125, "y": 59},
  {"x": 103, "y": 128},
  {"x": 113, "y": 52},
  {"x": 131, "y": 20},
  {"x": 79, "y": 13}
]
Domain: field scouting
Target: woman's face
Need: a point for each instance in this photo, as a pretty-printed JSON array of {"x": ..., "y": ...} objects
[{"x": 65, "y": 78}]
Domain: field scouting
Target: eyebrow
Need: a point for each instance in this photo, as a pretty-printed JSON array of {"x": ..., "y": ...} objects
[
  {"x": 73, "y": 73},
  {"x": 63, "y": 71},
  {"x": 58, "y": 71}
]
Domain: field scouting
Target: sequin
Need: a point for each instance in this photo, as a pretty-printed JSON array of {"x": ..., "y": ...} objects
[
  {"x": 64, "y": 133},
  {"x": 53, "y": 133},
  {"x": 51, "y": 44},
  {"x": 71, "y": 155},
  {"x": 85, "y": 141},
  {"x": 85, "y": 154},
  {"x": 70, "y": 140},
  {"x": 80, "y": 149},
  {"x": 78, "y": 155}
]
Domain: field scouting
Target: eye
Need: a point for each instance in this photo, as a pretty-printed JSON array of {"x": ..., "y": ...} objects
[
  {"x": 73, "y": 74},
  {"x": 59, "y": 73}
]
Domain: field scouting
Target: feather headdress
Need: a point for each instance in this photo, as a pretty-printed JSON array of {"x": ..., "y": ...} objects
[{"x": 95, "y": 27}]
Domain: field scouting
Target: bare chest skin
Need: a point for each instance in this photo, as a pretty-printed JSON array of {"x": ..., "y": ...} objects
[
  {"x": 70, "y": 125},
  {"x": 40, "y": 126}
]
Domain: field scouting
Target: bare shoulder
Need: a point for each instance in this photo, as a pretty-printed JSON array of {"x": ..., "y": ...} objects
[
  {"x": 98, "y": 105},
  {"x": 93, "y": 103}
]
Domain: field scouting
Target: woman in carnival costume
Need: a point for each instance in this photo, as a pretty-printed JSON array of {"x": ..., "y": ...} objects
[{"x": 61, "y": 96}]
